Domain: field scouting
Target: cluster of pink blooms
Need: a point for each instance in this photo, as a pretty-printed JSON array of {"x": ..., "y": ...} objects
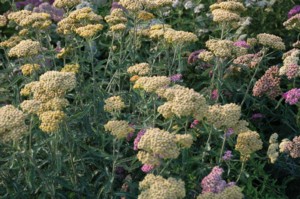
[
  {"x": 194, "y": 124},
  {"x": 176, "y": 78},
  {"x": 227, "y": 155},
  {"x": 293, "y": 147},
  {"x": 214, "y": 94},
  {"x": 268, "y": 84},
  {"x": 295, "y": 10},
  {"x": 292, "y": 71},
  {"x": 241, "y": 43},
  {"x": 292, "y": 96},
  {"x": 213, "y": 182},
  {"x": 55, "y": 13},
  {"x": 146, "y": 168},
  {"x": 194, "y": 56},
  {"x": 138, "y": 138}
]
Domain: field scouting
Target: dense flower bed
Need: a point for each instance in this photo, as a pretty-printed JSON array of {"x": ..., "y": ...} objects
[{"x": 149, "y": 99}]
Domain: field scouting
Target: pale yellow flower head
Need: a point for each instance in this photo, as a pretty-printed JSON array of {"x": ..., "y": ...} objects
[
  {"x": 139, "y": 69},
  {"x": 114, "y": 104},
  {"x": 89, "y": 31},
  {"x": 3, "y": 21},
  {"x": 118, "y": 128},
  {"x": 179, "y": 37},
  {"x": 247, "y": 143},
  {"x": 270, "y": 40},
  {"x": 28, "y": 69},
  {"x": 157, "y": 187},
  {"x": 25, "y": 48},
  {"x": 12, "y": 123},
  {"x": 51, "y": 120},
  {"x": 151, "y": 84},
  {"x": 11, "y": 42},
  {"x": 66, "y": 3},
  {"x": 72, "y": 68}
]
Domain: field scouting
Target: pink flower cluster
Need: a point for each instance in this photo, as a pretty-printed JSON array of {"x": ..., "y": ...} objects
[
  {"x": 268, "y": 84},
  {"x": 213, "y": 182},
  {"x": 293, "y": 147},
  {"x": 241, "y": 43},
  {"x": 194, "y": 123},
  {"x": 227, "y": 155},
  {"x": 176, "y": 78},
  {"x": 194, "y": 56},
  {"x": 292, "y": 96},
  {"x": 295, "y": 10},
  {"x": 138, "y": 138},
  {"x": 146, "y": 168}
]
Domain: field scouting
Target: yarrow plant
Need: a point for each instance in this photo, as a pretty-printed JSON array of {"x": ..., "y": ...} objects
[{"x": 149, "y": 99}]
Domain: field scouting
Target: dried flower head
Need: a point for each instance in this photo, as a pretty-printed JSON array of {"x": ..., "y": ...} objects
[
  {"x": 12, "y": 123},
  {"x": 118, "y": 128},
  {"x": 157, "y": 187},
  {"x": 292, "y": 23},
  {"x": 293, "y": 147},
  {"x": 25, "y": 48},
  {"x": 247, "y": 143}
]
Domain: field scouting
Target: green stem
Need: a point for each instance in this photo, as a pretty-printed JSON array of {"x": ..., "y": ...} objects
[
  {"x": 222, "y": 149},
  {"x": 241, "y": 171}
]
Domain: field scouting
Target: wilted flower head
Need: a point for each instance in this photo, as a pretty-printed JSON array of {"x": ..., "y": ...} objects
[
  {"x": 268, "y": 84},
  {"x": 157, "y": 187},
  {"x": 292, "y": 96}
]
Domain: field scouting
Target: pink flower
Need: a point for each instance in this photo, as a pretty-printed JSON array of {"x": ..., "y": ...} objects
[
  {"x": 213, "y": 182},
  {"x": 194, "y": 123},
  {"x": 176, "y": 78},
  {"x": 227, "y": 155},
  {"x": 242, "y": 44},
  {"x": 214, "y": 94},
  {"x": 194, "y": 56},
  {"x": 292, "y": 96},
  {"x": 146, "y": 168},
  {"x": 138, "y": 138}
]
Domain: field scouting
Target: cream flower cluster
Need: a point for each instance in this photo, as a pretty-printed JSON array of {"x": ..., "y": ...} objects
[
  {"x": 271, "y": 41},
  {"x": 28, "y": 69},
  {"x": 226, "y": 117},
  {"x": 117, "y": 20},
  {"x": 225, "y": 48},
  {"x": 139, "y": 69},
  {"x": 182, "y": 101},
  {"x": 48, "y": 98},
  {"x": 114, "y": 104},
  {"x": 151, "y": 84},
  {"x": 273, "y": 147},
  {"x": 231, "y": 192},
  {"x": 247, "y": 143},
  {"x": 137, "y": 5},
  {"x": 290, "y": 66},
  {"x": 66, "y": 3},
  {"x": 26, "y": 48},
  {"x": 118, "y": 128},
  {"x": 83, "y": 22},
  {"x": 157, "y": 187},
  {"x": 12, "y": 123},
  {"x": 158, "y": 144},
  {"x": 227, "y": 11}
]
